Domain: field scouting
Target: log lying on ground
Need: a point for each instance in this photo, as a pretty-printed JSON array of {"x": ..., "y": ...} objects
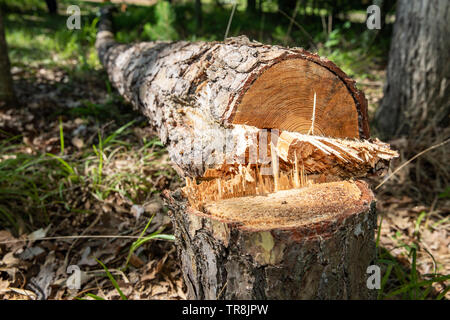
[{"x": 269, "y": 210}]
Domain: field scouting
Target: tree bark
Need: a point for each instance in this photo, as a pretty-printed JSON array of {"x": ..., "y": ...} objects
[
  {"x": 198, "y": 14},
  {"x": 301, "y": 249},
  {"x": 417, "y": 93},
  {"x": 7, "y": 96}
]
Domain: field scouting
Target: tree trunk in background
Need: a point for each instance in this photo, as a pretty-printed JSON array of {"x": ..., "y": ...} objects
[
  {"x": 251, "y": 6},
  {"x": 287, "y": 6},
  {"x": 7, "y": 96},
  {"x": 300, "y": 254},
  {"x": 52, "y": 6},
  {"x": 416, "y": 98}
]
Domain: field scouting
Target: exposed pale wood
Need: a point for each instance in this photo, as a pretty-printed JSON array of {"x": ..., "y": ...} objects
[
  {"x": 289, "y": 245},
  {"x": 340, "y": 157},
  {"x": 258, "y": 218},
  {"x": 304, "y": 160}
]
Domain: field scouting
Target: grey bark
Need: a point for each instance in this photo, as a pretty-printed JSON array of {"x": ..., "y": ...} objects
[
  {"x": 417, "y": 93},
  {"x": 7, "y": 96}
]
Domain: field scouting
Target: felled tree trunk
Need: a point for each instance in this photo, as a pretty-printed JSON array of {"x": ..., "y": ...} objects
[
  {"x": 270, "y": 141},
  {"x": 196, "y": 94}
]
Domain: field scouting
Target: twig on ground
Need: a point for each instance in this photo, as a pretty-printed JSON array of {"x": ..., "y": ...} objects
[
  {"x": 97, "y": 219},
  {"x": 76, "y": 237},
  {"x": 410, "y": 160}
]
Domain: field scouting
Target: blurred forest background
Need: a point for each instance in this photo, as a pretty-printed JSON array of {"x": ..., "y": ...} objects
[{"x": 76, "y": 160}]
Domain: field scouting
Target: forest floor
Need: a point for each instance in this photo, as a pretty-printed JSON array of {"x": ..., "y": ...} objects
[{"x": 76, "y": 161}]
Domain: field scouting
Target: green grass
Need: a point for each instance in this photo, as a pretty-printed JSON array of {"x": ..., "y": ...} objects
[
  {"x": 143, "y": 239},
  {"x": 402, "y": 281},
  {"x": 32, "y": 184},
  {"x": 44, "y": 40},
  {"x": 29, "y": 184},
  {"x": 113, "y": 281}
]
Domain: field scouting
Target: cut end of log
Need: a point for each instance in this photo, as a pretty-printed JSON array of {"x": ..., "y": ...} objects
[{"x": 282, "y": 98}]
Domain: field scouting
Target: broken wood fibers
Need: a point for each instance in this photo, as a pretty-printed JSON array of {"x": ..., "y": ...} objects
[{"x": 303, "y": 160}]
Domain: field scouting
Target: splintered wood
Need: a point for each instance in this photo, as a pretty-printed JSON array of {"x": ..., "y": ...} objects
[
  {"x": 338, "y": 157},
  {"x": 298, "y": 160}
]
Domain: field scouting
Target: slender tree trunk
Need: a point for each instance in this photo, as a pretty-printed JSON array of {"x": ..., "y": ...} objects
[
  {"x": 287, "y": 6},
  {"x": 417, "y": 93},
  {"x": 7, "y": 96},
  {"x": 198, "y": 14}
]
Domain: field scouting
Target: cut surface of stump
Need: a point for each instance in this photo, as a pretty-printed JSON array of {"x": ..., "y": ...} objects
[{"x": 294, "y": 208}]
